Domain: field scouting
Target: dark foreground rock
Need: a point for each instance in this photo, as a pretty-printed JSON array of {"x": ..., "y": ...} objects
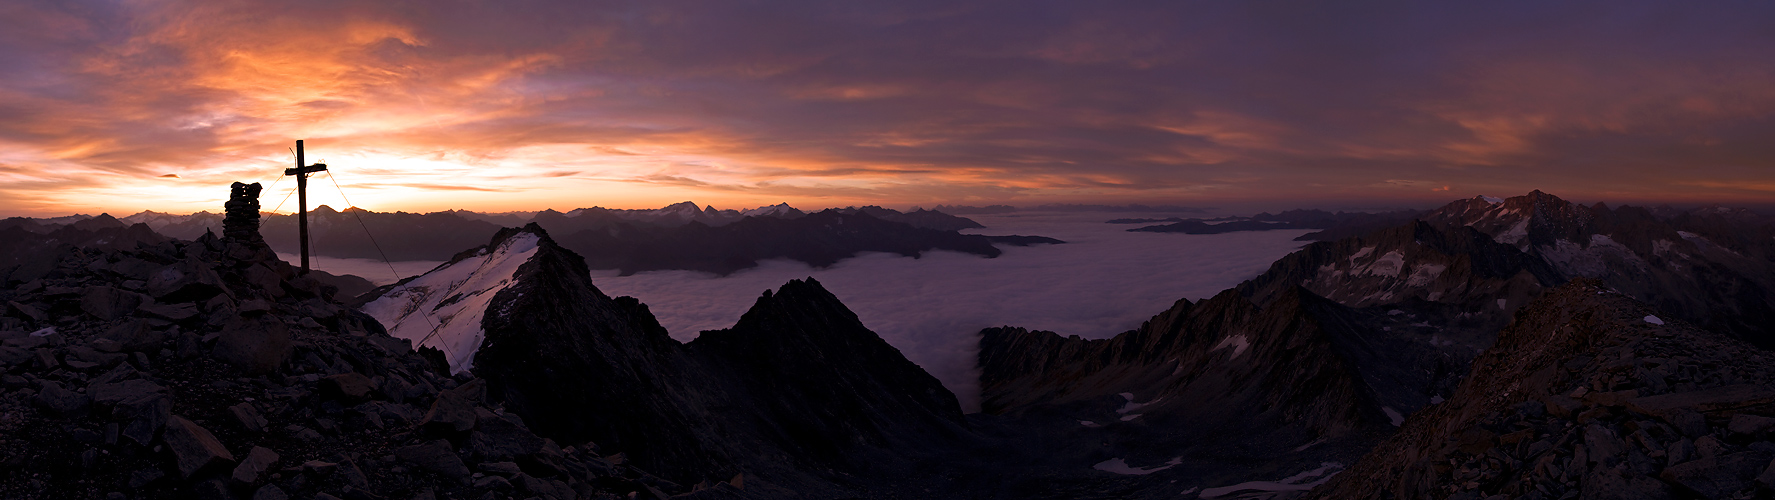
[
  {"x": 1588, "y": 394},
  {"x": 170, "y": 369}
]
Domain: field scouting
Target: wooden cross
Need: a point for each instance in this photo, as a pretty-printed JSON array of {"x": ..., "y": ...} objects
[{"x": 301, "y": 172}]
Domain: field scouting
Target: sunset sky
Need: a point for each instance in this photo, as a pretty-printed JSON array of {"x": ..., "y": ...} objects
[{"x": 522, "y": 105}]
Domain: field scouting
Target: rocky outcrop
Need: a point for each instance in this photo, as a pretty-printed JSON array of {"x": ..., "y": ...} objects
[
  {"x": 1587, "y": 394},
  {"x": 794, "y": 393},
  {"x": 1710, "y": 267},
  {"x": 239, "y": 379}
]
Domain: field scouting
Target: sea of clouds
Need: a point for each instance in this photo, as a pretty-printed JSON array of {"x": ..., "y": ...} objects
[{"x": 1103, "y": 281}]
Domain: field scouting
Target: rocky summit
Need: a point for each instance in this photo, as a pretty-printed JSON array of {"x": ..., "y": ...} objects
[
  {"x": 1589, "y": 394},
  {"x": 209, "y": 369}
]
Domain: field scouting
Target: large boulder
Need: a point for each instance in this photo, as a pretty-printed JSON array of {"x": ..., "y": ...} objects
[
  {"x": 255, "y": 345},
  {"x": 194, "y": 448},
  {"x": 184, "y": 281},
  {"x": 135, "y": 335},
  {"x": 436, "y": 457},
  {"x": 109, "y": 303}
]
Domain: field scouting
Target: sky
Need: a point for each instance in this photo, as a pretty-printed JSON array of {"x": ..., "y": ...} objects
[{"x": 123, "y": 106}]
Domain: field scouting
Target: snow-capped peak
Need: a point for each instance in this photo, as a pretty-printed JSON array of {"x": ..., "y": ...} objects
[
  {"x": 1492, "y": 199},
  {"x": 443, "y": 308},
  {"x": 769, "y": 210}
]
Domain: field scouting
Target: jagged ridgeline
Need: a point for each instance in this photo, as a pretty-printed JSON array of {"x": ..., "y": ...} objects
[
  {"x": 1269, "y": 388},
  {"x": 798, "y": 393},
  {"x": 679, "y": 236}
]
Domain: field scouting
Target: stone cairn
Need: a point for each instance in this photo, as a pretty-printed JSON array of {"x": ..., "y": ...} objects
[{"x": 242, "y": 219}]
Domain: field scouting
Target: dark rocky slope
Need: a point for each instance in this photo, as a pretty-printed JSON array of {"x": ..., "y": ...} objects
[
  {"x": 211, "y": 370},
  {"x": 1588, "y": 394},
  {"x": 1697, "y": 266},
  {"x": 797, "y": 394}
]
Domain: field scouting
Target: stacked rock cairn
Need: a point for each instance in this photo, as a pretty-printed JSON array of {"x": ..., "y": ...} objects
[{"x": 242, "y": 219}]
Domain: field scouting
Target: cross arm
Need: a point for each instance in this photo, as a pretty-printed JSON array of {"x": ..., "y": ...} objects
[{"x": 318, "y": 167}]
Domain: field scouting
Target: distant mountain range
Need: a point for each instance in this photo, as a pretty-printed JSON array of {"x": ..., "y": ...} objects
[{"x": 678, "y": 236}]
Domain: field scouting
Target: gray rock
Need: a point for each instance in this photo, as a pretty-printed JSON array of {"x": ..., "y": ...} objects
[
  {"x": 1750, "y": 425},
  {"x": 115, "y": 392},
  {"x": 507, "y": 469},
  {"x": 249, "y": 418},
  {"x": 352, "y": 475},
  {"x": 189, "y": 279},
  {"x": 26, "y": 310},
  {"x": 212, "y": 489},
  {"x": 549, "y": 489},
  {"x": 436, "y": 457},
  {"x": 1688, "y": 422},
  {"x": 10, "y": 355},
  {"x": 26, "y": 342},
  {"x": 145, "y": 477},
  {"x": 320, "y": 467},
  {"x": 58, "y": 399},
  {"x": 350, "y": 386},
  {"x": 257, "y": 462},
  {"x": 135, "y": 335},
  {"x": 102, "y": 344},
  {"x": 1679, "y": 451},
  {"x": 498, "y": 438},
  {"x": 493, "y": 483},
  {"x": 270, "y": 492},
  {"x": 93, "y": 356},
  {"x": 108, "y": 303},
  {"x": 146, "y": 415},
  {"x": 1767, "y": 478},
  {"x": 117, "y": 374},
  {"x": 1717, "y": 477},
  {"x": 1602, "y": 446},
  {"x": 451, "y": 412},
  {"x": 45, "y": 358},
  {"x": 1709, "y": 447},
  {"x": 175, "y": 312},
  {"x": 1705, "y": 400},
  {"x": 194, "y": 448},
  {"x": 255, "y": 345}
]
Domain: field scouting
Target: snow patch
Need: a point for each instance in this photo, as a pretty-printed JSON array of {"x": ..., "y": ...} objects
[
  {"x": 1388, "y": 264},
  {"x": 1237, "y": 342},
  {"x": 1515, "y": 234},
  {"x": 1492, "y": 199},
  {"x": 1119, "y": 466},
  {"x": 44, "y": 332},
  {"x": 1361, "y": 253},
  {"x": 1654, "y": 320},
  {"x": 1393, "y": 415},
  {"x": 1126, "y": 418},
  {"x": 769, "y": 211},
  {"x": 1297, "y": 482},
  {"x": 1501, "y": 305},
  {"x": 1424, "y": 274},
  {"x": 1088, "y": 423},
  {"x": 443, "y": 309}
]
